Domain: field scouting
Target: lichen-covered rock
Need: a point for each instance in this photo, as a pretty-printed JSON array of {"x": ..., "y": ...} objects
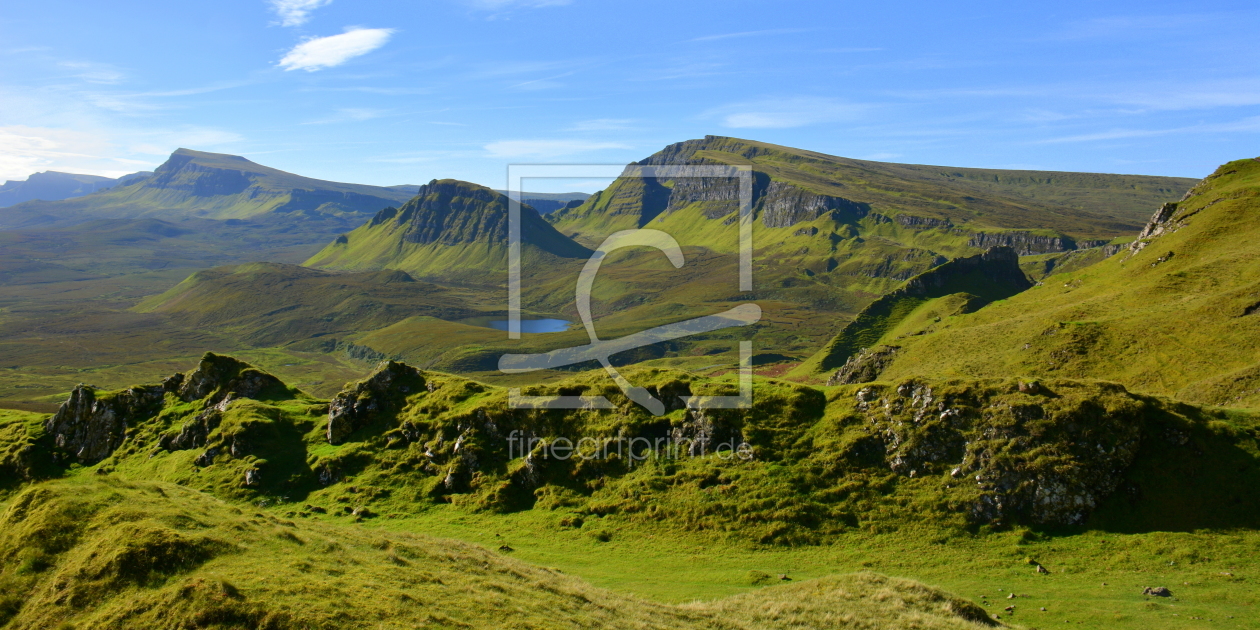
[
  {"x": 219, "y": 376},
  {"x": 90, "y": 427},
  {"x": 864, "y": 367},
  {"x": 195, "y": 432},
  {"x": 384, "y": 392},
  {"x": 1048, "y": 459}
]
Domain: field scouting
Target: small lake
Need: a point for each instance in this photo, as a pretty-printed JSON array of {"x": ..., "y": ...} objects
[{"x": 533, "y": 326}]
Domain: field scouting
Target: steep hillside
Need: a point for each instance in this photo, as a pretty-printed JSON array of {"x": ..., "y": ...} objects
[
  {"x": 961, "y": 285},
  {"x": 450, "y": 229},
  {"x": 196, "y": 184},
  {"x": 1173, "y": 313},
  {"x": 54, "y": 186}
]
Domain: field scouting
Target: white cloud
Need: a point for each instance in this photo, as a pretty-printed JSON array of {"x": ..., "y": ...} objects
[
  {"x": 547, "y": 148},
  {"x": 296, "y": 12},
  {"x": 334, "y": 50},
  {"x": 786, "y": 113},
  {"x": 25, "y": 150}
]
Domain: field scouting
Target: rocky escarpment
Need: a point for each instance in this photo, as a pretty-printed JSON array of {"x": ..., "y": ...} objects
[
  {"x": 1024, "y": 243},
  {"x": 1161, "y": 223},
  {"x": 1049, "y": 454},
  {"x": 218, "y": 377},
  {"x": 384, "y": 392},
  {"x": 864, "y": 367},
  {"x": 88, "y": 428},
  {"x": 91, "y": 425},
  {"x": 784, "y": 205}
]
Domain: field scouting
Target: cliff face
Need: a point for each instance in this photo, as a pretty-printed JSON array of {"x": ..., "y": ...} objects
[
  {"x": 1024, "y": 243},
  {"x": 384, "y": 392},
  {"x": 88, "y": 429}
]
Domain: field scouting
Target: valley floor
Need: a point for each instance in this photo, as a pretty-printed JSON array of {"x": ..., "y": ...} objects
[{"x": 1096, "y": 578}]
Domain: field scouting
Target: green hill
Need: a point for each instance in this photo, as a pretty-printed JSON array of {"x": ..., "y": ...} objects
[
  {"x": 1173, "y": 313},
  {"x": 197, "y": 184},
  {"x": 450, "y": 229}
]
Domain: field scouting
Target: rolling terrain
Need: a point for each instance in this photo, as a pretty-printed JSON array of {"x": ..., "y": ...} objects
[
  {"x": 1169, "y": 314},
  {"x": 224, "y": 468}
]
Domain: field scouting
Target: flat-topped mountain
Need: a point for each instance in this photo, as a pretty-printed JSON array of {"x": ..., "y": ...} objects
[
  {"x": 55, "y": 185},
  {"x": 449, "y": 229},
  {"x": 197, "y": 184},
  {"x": 1034, "y": 211}
]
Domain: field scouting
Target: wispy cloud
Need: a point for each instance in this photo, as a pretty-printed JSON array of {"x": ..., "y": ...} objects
[
  {"x": 601, "y": 124},
  {"x": 546, "y": 149},
  {"x": 349, "y": 114},
  {"x": 786, "y": 112},
  {"x": 93, "y": 72},
  {"x": 771, "y": 31},
  {"x": 1196, "y": 95},
  {"x": 499, "y": 5},
  {"x": 1126, "y": 25},
  {"x": 334, "y": 50},
  {"x": 1245, "y": 125},
  {"x": 296, "y": 12}
]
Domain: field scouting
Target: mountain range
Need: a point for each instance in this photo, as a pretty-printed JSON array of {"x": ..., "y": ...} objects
[{"x": 54, "y": 186}]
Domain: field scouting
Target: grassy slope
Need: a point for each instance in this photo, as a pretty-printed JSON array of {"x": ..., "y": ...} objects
[
  {"x": 110, "y": 553},
  {"x": 1177, "y": 326},
  {"x": 959, "y": 286}
]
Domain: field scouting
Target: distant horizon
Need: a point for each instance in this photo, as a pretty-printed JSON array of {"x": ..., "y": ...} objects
[{"x": 584, "y": 186}]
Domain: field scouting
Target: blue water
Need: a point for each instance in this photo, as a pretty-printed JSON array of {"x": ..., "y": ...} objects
[{"x": 534, "y": 325}]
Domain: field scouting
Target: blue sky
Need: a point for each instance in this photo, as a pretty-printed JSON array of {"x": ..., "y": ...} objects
[{"x": 404, "y": 92}]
